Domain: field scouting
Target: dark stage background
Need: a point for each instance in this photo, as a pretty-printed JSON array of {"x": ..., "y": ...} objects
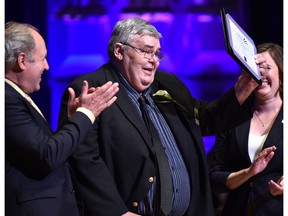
[{"x": 77, "y": 33}]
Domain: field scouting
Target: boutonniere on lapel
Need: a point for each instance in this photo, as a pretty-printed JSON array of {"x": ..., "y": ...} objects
[{"x": 162, "y": 96}]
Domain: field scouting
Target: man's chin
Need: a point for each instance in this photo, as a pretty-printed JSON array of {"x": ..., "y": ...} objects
[{"x": 37, "y": 88}]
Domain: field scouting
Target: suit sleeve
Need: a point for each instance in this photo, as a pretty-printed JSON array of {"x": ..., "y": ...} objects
[
  {"x": 223, "y": 114},
  {"x": 30, "y": 142},
  {"x": 218, "y": 160},
  {"x": 215, "y": 117}
]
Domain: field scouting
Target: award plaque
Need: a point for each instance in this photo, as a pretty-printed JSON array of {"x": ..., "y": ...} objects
[{"x": 240, "y": 46}]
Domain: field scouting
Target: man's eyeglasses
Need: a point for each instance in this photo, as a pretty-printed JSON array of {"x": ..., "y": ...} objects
[{"x": 146, "y": 53}]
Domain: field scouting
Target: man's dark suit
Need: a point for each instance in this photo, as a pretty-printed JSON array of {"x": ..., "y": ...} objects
[
  {"x": 231, "y": 154},
  {"x": 37, "y": 177},
  {"x": 115, "y": 165}
]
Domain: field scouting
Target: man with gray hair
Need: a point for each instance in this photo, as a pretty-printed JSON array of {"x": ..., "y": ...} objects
[
  {"x": 38, "y": 179},
  {"x": 145, "y": 154}
]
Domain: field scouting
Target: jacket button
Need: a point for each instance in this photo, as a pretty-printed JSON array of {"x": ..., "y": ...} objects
[
  {"x": 135, "y": 204},
  {"x": 151, "y": 179}
]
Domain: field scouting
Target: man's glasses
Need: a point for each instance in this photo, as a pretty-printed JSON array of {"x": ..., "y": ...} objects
[{"x": 146, "y": 53}]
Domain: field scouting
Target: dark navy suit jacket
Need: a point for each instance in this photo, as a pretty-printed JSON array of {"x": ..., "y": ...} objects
[
  {"x": 115, "y": 164},
  {"x": 37, "y": 177}
]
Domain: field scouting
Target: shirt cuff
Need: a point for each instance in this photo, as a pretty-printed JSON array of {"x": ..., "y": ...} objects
[{"x": 87, "y": 112}]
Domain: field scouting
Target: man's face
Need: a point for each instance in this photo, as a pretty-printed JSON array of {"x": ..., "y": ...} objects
[
  {"x": 34, "y": 69},
  {"x": 137, "y": 69}
]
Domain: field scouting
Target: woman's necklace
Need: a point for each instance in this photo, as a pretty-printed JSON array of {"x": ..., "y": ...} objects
[{"x": 262, "y": 123}]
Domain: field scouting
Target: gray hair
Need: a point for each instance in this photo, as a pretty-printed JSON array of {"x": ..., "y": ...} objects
[
  {"x": 18, "y": 38},
  {"x": 127, "y": 29}
]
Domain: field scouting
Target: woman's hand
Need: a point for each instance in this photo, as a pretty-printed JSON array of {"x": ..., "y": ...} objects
[{"x": 276, "y": 188}]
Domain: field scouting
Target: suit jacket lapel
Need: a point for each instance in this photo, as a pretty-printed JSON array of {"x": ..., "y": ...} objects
[
  {"x": 127, "y": 108},
  {"x": 242, "y": 133},
  {"x": 33, "y": 112},
  {"x": 276, "y": 131}
]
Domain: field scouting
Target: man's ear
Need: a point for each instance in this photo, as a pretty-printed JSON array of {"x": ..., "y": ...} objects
[
  {"x": 20, "y": 64},
  {"x": 118, "y": 52},
  {"x": 21, "y": 60}
]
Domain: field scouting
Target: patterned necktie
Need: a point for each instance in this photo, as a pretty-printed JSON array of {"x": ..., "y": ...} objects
[{"x": 166, "y": 188}]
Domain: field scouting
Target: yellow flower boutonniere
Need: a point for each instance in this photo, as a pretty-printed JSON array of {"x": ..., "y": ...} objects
[
  {"x": 162, "y": 96},
  {"x": 196, "y": 116}
]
